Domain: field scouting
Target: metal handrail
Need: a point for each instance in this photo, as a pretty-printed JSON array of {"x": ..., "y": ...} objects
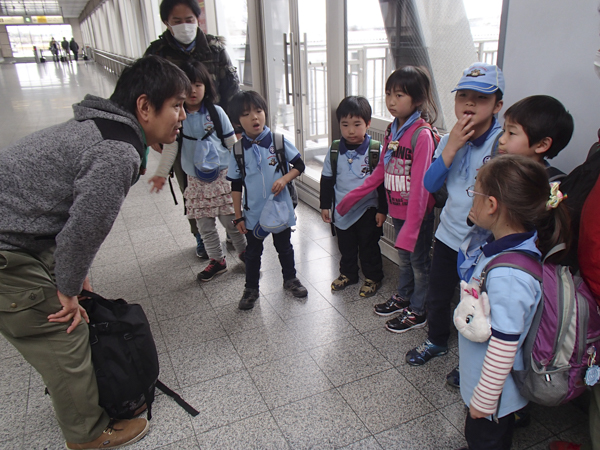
[{"x": 110, "y": 61}]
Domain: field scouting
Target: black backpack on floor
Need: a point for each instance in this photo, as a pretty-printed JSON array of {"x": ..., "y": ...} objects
[{"x": 124, "y": 357}]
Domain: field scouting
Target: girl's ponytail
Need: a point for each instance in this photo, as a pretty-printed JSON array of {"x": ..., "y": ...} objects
[{"x": 553, "y": 229}]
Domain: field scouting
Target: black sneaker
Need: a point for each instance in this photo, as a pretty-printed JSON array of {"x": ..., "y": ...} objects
[
  {"x": 248, "y": 299},
  {"x": 295, "y": 287},
  {"x": 424, "y": 352},
  {"x": 393, "y": 305},
  {"x": 406, "y": 321},
  {"x": 213, "y": 269}
]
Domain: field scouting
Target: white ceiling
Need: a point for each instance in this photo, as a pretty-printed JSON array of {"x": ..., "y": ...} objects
[{"x": 66, "y": 8}]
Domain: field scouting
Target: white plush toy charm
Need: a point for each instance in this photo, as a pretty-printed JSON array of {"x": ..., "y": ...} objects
[{"x": 472, "y": 315}]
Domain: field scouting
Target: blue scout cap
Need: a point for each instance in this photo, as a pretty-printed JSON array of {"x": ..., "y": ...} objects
[
  {"x": 481, "y": 77},
  {"x": 259, "y": 232}
]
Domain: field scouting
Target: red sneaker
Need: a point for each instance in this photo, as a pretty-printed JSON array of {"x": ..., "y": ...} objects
[{"x": 562, "y": 445}]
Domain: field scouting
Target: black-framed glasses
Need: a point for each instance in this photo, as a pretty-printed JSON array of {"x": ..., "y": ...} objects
[{"x": 471, "y": 192}]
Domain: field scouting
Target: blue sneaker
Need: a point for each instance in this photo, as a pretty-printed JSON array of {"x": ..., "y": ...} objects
[
  {"x": 200, "y": 250},
  {"x": 424, "y": 352}
]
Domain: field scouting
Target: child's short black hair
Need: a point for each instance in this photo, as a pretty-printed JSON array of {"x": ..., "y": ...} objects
[
  {"x": 197, "y": 72},
  {"x": 543, "y": 116},
  {"x": 354, "y": 106},
  {"x": 243, "y": 101},
  {"x": 153, "y": 76},
  {"x": 166, "y": 6}
]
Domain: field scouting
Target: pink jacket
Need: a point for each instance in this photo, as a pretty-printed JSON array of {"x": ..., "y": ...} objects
[{"x": 402, "y": 176}]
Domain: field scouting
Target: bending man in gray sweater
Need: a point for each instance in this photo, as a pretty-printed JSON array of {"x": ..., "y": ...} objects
[{"x": 60, "y": 192}]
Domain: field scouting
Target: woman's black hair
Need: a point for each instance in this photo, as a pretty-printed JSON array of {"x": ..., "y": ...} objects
[
  {"x": 416, "y": 83},
  {"x": 166, "y": 6},
  {"x": 153, "y": 76},
  {"x": 197, "y": 72}
]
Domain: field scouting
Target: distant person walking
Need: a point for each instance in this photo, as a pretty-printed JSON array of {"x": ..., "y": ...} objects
[
  {"x": 54, "y": 49},
  {"x": 65, "y": 46},
  {"x": 74, "y": 46}
]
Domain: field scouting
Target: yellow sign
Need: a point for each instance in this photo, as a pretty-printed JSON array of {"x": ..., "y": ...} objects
[{"x": 46, "y": 19}]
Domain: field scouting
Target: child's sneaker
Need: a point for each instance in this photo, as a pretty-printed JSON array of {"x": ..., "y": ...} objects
[
  {"x": 563, "y": 445},
  {"x": 406, "y": 321},
  {"x": 295, "y": 287},
  {"x": 453, "y": 378},
  {"x": 213, "y": 269},
  {"x": 424, "y": 352},
  {"x": 248, "y": 299},
  {"x": 242, "y": 257},
  {"x": 393, "y": 305},
  {"x": 340, "y": 283},
  {"x": 369, "y": 288}
]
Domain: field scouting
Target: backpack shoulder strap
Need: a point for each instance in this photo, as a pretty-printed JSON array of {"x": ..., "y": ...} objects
[
  {"x": 415, "y": 136},
  {"x": 216, "y": 120},
  {"x": 280, "y": 152},
  {"x": 119, "y": 131},
  {"x": 333, "y": 157},
  {"x": 516, "y": 260},
  {"x": 374, "y": 151},
  {"x": 238, "y": 154}
]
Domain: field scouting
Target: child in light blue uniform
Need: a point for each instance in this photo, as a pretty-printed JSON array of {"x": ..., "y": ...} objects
[
  {"x": 512, "y": 199},
  {"x": 263, "y": 177},
  {"x": 208, "y": 197},
  {"x": 359, "y": 230},
  {"x": 459, "y": 156}
]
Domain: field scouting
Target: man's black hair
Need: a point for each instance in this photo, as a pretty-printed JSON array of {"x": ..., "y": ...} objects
[
  {"x": 197, "y": 72},
  {"x": 354, "y": 106},
  {"x": 543, "y": 116},
  {"x": 154, "y": 76},
  {"x": 242, "y": 102},
  {"x": 166, "y": 6}
]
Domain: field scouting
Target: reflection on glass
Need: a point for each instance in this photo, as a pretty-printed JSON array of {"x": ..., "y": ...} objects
[
  {"x": 313, "y": 64},
  {"x": 24, "y": 37},
  {"x": 444, "y": 36},
  {"x": 234, "y": 28}
]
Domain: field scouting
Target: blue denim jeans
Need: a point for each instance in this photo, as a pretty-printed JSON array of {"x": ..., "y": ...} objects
[{"x": 414, "y": 267}]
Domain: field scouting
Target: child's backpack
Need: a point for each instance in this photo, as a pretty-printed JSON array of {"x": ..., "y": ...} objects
[
  {"x": 124, "y": 357},
  {"x": 282, "y": 166},
  {"x": 564, "y": 335}
]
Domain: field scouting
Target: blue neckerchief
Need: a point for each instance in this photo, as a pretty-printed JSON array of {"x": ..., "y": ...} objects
[
  {"x": 361, "y": 149},
  {"x": 512, "y": 240},
  {"x": 466, "y": 159},
  {"x": 398, "y": 133},
  {"x": 264, "y": 139}
]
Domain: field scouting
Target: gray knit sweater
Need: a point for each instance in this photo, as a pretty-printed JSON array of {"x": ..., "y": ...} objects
[{"x": 64, "y": 186}]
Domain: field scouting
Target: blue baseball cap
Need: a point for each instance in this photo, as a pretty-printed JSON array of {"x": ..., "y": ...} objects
[
  {"x": 259, "y": 232},
  {"x": 206, "y": 161},
  {"x": 481, "y": 77}
]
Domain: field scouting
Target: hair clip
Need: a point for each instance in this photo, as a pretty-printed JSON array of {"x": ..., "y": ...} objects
[{"x": 555, "y": 196}]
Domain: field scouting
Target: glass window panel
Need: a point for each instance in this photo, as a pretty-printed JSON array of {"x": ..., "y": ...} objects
[
  {"x": 24, "y": 37},
  {"x": 444, "y": 36},
  {"x": 234, "y": 28}
]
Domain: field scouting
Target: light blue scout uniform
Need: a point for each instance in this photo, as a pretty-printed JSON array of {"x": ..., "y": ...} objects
[
  {"x": 261, "y": 162},
  {"x": 459, "y": 177},
  {"x": 196, "y": 125},
  {"x": 352, "y": 170},
  {"x": 514, "y": 296}
]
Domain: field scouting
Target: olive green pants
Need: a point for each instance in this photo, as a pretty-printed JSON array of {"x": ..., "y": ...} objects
[{"x": 27, "y": 296}]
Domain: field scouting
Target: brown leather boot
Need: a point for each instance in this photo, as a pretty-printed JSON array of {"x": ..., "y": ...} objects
[{"x": 118, "y": 433}]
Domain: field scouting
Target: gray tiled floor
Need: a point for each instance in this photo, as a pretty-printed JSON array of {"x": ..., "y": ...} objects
[{"x": 315, "y": 373}]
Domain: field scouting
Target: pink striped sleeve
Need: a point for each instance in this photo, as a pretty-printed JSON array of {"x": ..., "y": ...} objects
[{"x": 498, "y": 362}]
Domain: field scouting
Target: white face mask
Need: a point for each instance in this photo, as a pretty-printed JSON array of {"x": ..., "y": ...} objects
[{"x": 185, "y": 32}]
